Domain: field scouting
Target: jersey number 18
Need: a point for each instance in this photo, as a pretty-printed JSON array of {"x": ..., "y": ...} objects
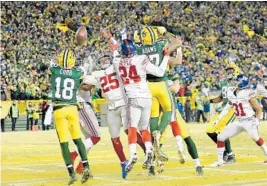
[{"x": 67, "y": 91}]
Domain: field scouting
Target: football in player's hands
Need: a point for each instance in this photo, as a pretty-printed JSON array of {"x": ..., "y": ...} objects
[{"x": 81, "y": 35}]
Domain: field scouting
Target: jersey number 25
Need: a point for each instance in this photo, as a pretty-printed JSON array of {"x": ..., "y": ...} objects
[{"x": 109, "y": 82}]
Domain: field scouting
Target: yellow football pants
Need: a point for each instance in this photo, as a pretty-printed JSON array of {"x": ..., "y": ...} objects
[
  {"x": 67, "y": 121},
  {"x": 161, "y": 98},
  {"x": 222, "y": 122}
]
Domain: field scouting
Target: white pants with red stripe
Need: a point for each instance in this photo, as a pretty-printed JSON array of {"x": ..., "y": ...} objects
[
  {"x": 116, "y": 118},
  {"x": 239, "y": 125},
  {"x": 88, "y": 121},
  {"x": 139, "y": 111}
]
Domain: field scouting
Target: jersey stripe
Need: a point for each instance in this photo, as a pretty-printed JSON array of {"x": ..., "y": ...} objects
[
  {"x": 65, "y": 58},
  {"x": 152, "y": 34}
]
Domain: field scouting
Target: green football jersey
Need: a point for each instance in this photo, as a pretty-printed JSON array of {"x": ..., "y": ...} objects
[
  {"x": 155, "y": 54},
  {"x": 64, "y": 84},
  {"x": 223, "y": 84}
]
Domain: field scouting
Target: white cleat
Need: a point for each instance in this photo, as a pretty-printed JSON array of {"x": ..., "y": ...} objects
[
  {"x": 131, "y": 162},
  {"x": 217, "y": 164},
  {"x": 181, "y": 155}
]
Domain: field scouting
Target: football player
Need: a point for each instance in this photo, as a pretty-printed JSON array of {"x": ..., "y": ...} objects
[
  {"x": 224, "y": 115},
  {"x": 177, "y": 118},
  {"x": 161, "y": 96},
  {"x": 88, "y": 122},
  {"x": 65, "y": 81},
  {"x": 133, "y": 70},
  {"x": 106, "y": 77},
  {"x": 247, "y": 111}
]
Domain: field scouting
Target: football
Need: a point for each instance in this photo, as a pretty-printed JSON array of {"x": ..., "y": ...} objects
[{"x": 81, "y": 35}]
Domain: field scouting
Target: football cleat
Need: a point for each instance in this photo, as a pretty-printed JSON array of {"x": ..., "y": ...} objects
[
  {"x": 87, "y": 173},
  {"x": 73, "y": 178},
  {"x": 160, "y": 166},
  {"x": 79, "y": 168},
  {"x": 217, "y": 164},
  {"x": 230, "y": 159},
  {"x": 199, "y": 170},
  {"x": 131, "y": 162},
  {"x": 151, "y": 171},
  {"x": 149, "y": 161},
  {"x": 181, "y": 155},
  {"x": 162, "y": 156},
  {"x": 123, "y": 169},
  {"x": 225, "y": 156}
]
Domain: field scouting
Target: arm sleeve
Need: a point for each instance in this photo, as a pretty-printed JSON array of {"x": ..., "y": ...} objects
[
  {"x": 157, "y": 71},
  {"x": 89, "y": 79}
]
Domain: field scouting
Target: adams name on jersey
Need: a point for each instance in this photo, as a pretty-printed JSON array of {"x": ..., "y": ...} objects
[{"x": 155, "y": 54}]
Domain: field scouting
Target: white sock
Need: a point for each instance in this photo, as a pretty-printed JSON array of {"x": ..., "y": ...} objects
[
  {"x": 132, "y": 149},
  {"x": 264, "y": 148},
  {"x": 148, "y": 146},
  {"x": 220, "y": 153},
  {"x": 88, "y": 145},
  {"x": 180, "y": 144},
  {"x": 197, "y": 162}
]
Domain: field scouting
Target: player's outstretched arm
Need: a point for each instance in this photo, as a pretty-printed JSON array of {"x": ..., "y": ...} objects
[
  {"x": 256, "y": 106},
  {"x": 216, "y": 100},
  {"x": 158, "y": 70},
  {"x": 89, "y": 81},
  {"x": 174, "y": 43}
]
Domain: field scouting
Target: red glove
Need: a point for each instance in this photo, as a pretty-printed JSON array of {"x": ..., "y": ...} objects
[{"x": 105, "y": 34}]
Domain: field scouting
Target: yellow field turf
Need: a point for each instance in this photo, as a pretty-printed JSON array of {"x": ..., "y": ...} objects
[{"x": 34, "y": 158}]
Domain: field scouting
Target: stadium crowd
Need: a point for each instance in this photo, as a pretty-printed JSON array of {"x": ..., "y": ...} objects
[{"x": 214, "y": 34}]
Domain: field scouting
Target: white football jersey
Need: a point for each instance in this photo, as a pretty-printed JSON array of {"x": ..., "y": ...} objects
[
  {"x": 107, "y": 80},
  {"x": 240, "y": 101},
  {"x": 133, "y": 72},
  {"x": 261, "y": 90}
]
